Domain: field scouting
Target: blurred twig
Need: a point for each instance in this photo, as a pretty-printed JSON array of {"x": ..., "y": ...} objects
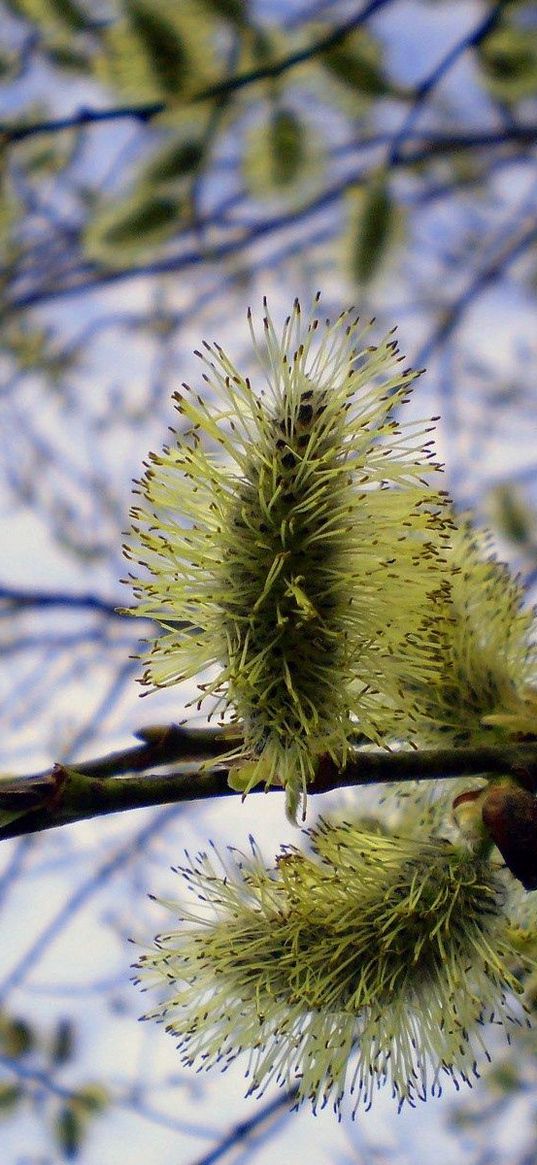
[{"x": 246, "y": 1130}]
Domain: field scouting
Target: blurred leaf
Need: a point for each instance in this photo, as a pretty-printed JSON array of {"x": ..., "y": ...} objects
[
  {"x": 16, "y": 1035},
  {"x": 69, "y": 1131},
  {"x": 66, "y": 56},
  {"x": 69, "y": 14},
  {"x": 146, "y": 219},
  {"x": 356, "y": 62},
  {"x": 72, "y": 1120},
  {"x": 63, "y": 1042},
  {"x": 10, "y": 1094},
  {"x": 264, "y": 46},
  {"x": 234, "y": 11},
  {"x": 161, "y": 51},
  {"x": 8, "y": 65},
  {"x": 287, "y": 146},
  {"x": 49, "y": 12},
  {"x": 373, "y": 231},
  {"x": 92, "y": 1098},
  {"x": 175, "y": 161},
  {"x": 514, "y": 519},
  {"x": 508, "y": 57},
  {"x": 504, "y": 1077},
  {"x": 138, "y": 223},
  {"x": 278, "y": 156},
  {"x": 162, "y": 44}
]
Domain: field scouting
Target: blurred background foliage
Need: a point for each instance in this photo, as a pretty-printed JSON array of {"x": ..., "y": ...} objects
[{"x": 163, "y": 165}]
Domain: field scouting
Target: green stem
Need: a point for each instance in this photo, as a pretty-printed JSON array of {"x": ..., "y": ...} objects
[{"x": 127, "y": 779}]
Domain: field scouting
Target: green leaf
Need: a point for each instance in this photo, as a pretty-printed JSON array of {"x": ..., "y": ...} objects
[
  {"x": 146, "y": 219},
  {"x": 69, "y": 14},
  {"x": 10, "y": 1094},
  {"x": 508, "y": 58},
  {"x": 158, "y": 51},
  {"x": 505, "y": 1077},
  {"x": 356, "y": 63},
  {"x": 139, "y": 223},
  {"x": 262, "y": 46},
  {"x": 92, "y": 1098},
  {"x": 175, "y": 161},
  {"x": 46, "y": 13},
  {"x": 162, "y": 44},
  {"x": 16, "y": 1037},
  {"x": 278, "y": 155},
  {"x": 66, "y": 56},
  {"x": 69, "y": 1130},
  {"x": 373, "y": 231},
  {"x": 234, "y": 11},
  {"x": 286, "y": 137}
]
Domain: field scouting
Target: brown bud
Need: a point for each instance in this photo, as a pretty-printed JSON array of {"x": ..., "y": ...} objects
[
  {"x": 510, "y": 815},
  {"x": 467, "y": 816}
]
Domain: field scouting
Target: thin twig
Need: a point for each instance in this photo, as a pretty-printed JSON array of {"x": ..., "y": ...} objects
[
  {"x": 17, "y": 133},
  {"x": 246, "y": 1130}
]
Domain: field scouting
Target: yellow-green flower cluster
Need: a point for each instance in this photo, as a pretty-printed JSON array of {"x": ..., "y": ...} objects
[
  {"x": 487, "y": 652},
  {"x": 290, "y": 533},
  {"x": 375, "y": 960}
]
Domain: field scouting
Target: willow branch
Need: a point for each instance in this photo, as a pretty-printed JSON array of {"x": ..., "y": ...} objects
[
  {"x": 175, "y": 764},
  {"x": 18, "y": 133}
]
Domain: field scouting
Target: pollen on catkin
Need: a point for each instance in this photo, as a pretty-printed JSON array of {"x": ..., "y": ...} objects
[
  {"x": 376, "y": 960},
  {"x": 291, "y": 534}
]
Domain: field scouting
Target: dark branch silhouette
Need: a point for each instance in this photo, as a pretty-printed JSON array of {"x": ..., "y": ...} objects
[{"x": 9, "y": 134}]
